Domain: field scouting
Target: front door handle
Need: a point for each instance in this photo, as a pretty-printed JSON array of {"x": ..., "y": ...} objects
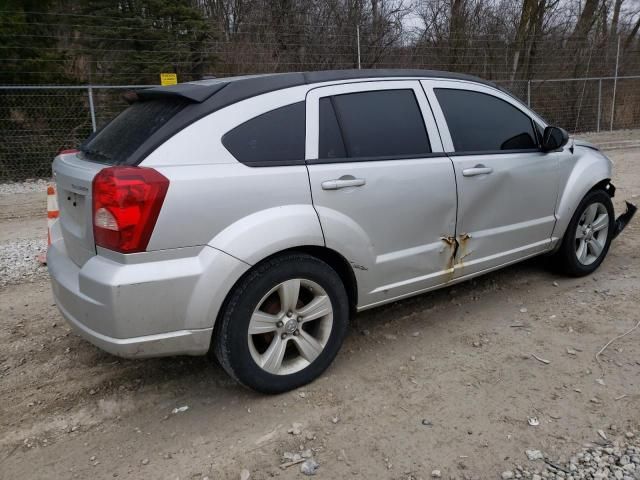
[
  {"x": 343, "y": 183},
  {"x": 479, "y": 169}
]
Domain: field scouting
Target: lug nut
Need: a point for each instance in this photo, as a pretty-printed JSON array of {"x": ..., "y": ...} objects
[
  {"x": 289, "y": 314},
  {"x": 279, "y": 324},
  {"x": 283, "y": 336},
  {"x": 299, "y": 319},
  {"x": 296, "y": 333}
]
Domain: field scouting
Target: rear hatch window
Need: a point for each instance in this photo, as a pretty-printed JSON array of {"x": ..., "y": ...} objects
[{"x": 119, "y": 139}]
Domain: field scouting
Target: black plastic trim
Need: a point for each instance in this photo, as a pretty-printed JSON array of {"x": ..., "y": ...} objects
[
  {"x": 610, "y": 188},
  {"x": 321, "y": 161},
  {"x": 623, "y": 220},
  {"x": 276, "y": 163},
  {"x": 495, "y": 152},
  {"x": 188, "y": 91}
]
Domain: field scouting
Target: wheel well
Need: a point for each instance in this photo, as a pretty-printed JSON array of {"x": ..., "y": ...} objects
[
  {"x": 327, "y": 255},
  {"x": 339, "y": 264},
  {"x": 605, "y": 185},
  {"x": 331, "y": 257}
]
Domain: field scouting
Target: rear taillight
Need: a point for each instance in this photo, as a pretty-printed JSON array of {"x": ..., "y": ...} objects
[{"x": 126, "y": 205}]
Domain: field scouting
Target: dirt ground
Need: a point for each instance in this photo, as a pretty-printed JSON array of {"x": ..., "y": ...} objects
[{"x": 445, "y": 380}]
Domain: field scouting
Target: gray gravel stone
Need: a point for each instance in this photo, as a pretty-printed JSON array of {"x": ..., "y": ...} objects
[
  {"x": 30, "y": 186},
  {"x": 620, "y": 460},
  {"x": 309, "y": 467},
  {"x": 534, "y": 455},
  {"x": 18, "y": 263}
]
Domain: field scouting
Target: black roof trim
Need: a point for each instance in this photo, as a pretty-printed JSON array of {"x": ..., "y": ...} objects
[
  {"x": 192, "y": 92},
  {"x": 335, "y": 75},
  {"x": 226, "y": 91}
]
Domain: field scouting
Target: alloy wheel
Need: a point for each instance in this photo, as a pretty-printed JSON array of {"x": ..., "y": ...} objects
[
  {"x": 290, "y": 326},
  {"x": 591, "y": 233}
]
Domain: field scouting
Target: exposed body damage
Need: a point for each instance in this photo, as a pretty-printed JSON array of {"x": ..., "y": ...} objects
[
  {"x": 450, "y": 246},
  {"x": 457, "y": 251},
  {"x": 463, "y": 243}
]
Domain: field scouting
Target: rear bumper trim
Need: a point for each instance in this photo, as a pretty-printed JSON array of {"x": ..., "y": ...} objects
[
  {"x": 184, "y": 342},
  {"x": 124, "y": 313}
]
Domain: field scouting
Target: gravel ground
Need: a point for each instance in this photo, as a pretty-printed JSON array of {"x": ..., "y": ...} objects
[
  {"x": 617, "y": 459},
  {"x": 23, "y": 234},
  {"x": 29, "y": 186},
  {"x": 18, "y": 261}
]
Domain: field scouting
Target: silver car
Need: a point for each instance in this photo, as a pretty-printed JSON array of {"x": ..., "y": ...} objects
[{"x": 253, "y": 216}]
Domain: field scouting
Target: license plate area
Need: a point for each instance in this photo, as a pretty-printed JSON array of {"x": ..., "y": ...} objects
[{"x": 73, "y": 211}]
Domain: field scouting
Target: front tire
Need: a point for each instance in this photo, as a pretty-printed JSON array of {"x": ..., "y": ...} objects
[
  {"x": 586, "y": 242},
  {"x": 283, "y": 323}
]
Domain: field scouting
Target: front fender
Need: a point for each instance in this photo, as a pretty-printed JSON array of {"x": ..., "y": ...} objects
[
  {"x": 582, "y": 171},
  {"x": 261, "y": 234}
]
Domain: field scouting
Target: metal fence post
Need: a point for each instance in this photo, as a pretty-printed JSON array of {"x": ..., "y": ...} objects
[
  {"x": 615, "y": 84},
  {"x": 529, "y": 93},
  {"x": 599, "y": 104},
  {"x": 358, "y": 40},
  {"x": 92, "y": 109}
]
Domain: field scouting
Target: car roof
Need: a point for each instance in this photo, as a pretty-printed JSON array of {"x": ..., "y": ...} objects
[{"x": 226, "y": 91}]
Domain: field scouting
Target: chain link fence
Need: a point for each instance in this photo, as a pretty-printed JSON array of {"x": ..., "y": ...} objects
[
  {"x": 583, "y": 105},
  {"x": 38, "y": 121}
]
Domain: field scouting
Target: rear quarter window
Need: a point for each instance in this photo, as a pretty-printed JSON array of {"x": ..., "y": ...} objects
[
  {"x": 119, "y": 139},
  {"x": 273, "y": 138}
]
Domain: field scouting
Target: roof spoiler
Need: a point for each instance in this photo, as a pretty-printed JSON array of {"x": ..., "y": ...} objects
[{"x": 190, "y": 92}]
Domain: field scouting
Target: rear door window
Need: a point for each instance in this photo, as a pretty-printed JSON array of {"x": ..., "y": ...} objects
[
  {"x": 479, "y": 122},
  {"x": 119, "y": 139},
  {"x": 374, "y": 124},
  {"x": 273, "y": 138}
]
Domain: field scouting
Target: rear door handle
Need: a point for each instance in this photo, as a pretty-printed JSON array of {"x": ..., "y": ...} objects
[
  {"x": 477, "y": 170},
  {"x": 343, "y": 183}
]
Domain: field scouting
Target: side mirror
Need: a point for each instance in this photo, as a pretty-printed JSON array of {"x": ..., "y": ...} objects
[{"x": 554, "y": 138}]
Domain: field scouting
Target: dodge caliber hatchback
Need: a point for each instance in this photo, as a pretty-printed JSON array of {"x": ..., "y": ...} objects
[{"x": 252, "y": 216}]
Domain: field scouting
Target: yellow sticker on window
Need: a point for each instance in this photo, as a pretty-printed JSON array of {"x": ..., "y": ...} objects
[{"x": 168, "y": 79}]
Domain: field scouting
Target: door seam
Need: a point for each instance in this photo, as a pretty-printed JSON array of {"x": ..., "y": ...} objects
[{"x": 313, "y": 204}]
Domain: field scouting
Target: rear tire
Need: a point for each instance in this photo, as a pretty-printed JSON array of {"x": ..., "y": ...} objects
[
  {"x": 282, "y": 324},
  {"x": 586, "y": 242}
]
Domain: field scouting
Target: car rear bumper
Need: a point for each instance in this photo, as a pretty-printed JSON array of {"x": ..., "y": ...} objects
[
  {"x": 181, "y": 342},
  {"x": 147, "y": 309}
]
